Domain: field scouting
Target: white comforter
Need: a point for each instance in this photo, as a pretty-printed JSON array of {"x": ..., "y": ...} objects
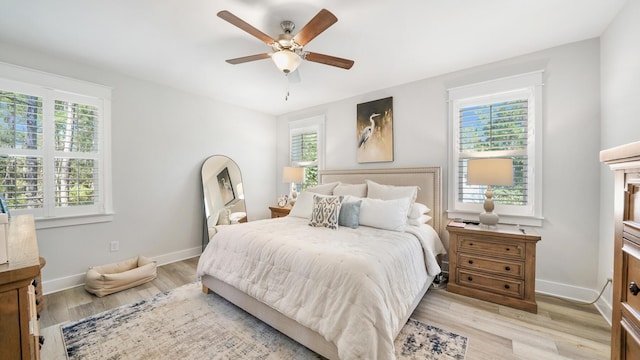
[{"x": 353, "y": 286}]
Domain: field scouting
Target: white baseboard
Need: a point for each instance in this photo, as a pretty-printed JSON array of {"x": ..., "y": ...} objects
[
  {"x": 575, "y": 293},
  {"x": 67, "y": 282},
  {"x": 605, "y": 309}
]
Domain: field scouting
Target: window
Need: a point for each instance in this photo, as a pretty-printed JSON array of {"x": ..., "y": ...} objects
[
  {"x": 498, "y": 119},
  {"x": 306, "y": 148},
  {"x": 54, "y": 159}
]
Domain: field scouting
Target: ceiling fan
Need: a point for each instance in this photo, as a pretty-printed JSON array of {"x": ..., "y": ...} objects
[{"x": 288, "y": 50}]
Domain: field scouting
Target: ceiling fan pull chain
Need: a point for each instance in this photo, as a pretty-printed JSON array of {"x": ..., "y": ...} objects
[{"x": 286, "y": 96}]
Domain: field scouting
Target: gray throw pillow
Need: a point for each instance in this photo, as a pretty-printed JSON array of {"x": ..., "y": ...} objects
[{"x": 350, "y": 214}]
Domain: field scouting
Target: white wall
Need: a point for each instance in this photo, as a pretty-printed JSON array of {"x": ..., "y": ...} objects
[
  {"x": 620, "y": 78},
  {"x": 160, "y": 138},
  {"x": 568, "y": 253}
]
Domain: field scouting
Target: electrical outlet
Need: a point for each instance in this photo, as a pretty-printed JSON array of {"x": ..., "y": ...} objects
[
  {"x": 115, "y": 246},
  {"x": 609, "y": 279}
]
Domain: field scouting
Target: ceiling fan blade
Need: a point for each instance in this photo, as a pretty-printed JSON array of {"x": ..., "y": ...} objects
[
  {"x": 234, "y": 20},
  {"x": 315, "y": 26},
  {"x": 329, "y": 60},
  {"x": 245, "y": 59}
]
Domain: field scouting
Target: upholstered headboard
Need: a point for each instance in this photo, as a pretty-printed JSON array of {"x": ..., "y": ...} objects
[{"x": 428, "y": 179}]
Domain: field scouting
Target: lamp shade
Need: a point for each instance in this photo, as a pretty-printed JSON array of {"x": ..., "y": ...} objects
[
  {"x": 293, "y": 174},
  {"x": 287, "y": 61},
  {"x": 490, "y": 171}
]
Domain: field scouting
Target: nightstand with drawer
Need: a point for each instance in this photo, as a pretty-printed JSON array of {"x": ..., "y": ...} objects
[
  {"x": 277, "y": 211},
  {"x": 496, "y": 265}
]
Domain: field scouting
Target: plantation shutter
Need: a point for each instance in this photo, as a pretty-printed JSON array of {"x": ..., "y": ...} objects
[
  {"x": 497, "y": 129},
  {"x": 21, "y": 147},
  {"x": 76, "y": 154},
  {"x": 304, "y": 153}
]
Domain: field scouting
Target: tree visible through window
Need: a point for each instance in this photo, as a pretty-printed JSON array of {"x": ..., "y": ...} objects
[
  {"x": 75, "y": 166},
  {"x": 21, "y": 162},
  {"x": 306, "y": 148},
  {"x": 304, "y": 153}
]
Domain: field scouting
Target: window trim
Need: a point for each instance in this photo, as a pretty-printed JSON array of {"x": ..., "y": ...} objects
[
  {"x": 501, "y": 88},
  {"x": 20, "y": 79}
]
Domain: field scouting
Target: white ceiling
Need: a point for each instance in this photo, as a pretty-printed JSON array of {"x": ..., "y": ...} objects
[{"x": 183, "y": 44}]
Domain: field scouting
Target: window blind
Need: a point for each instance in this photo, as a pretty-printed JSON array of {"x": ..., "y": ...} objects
[
  {"x": 304, "y": 153},
  {"x": 494, "y": 130},
  {"x": 76, "y": 138},
  {"x": 21, "y": 141}
]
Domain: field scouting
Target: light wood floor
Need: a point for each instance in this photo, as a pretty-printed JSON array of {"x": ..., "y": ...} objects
[{"x": 560, "y": 330}]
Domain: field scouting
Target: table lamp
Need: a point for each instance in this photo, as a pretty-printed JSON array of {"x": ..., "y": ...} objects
[
  {"x": 293, "y": 175},
  {"x": 489, "y": 171}
]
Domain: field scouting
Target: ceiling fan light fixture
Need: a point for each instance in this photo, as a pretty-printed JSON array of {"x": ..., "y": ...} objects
[{"x": 286, "y": 60}]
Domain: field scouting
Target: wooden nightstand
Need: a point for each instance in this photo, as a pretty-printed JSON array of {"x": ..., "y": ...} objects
[
  {"x": 277, "y": 211},
  {"x": 497, "y": 265}
]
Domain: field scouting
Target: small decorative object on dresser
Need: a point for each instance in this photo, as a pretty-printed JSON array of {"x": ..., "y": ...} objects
[
  {"x": 497, "y": 265},
  {"x": 283, "y": 200},
  {"x": 625, "y": 316},
  {"x": 277, "y": 211}
]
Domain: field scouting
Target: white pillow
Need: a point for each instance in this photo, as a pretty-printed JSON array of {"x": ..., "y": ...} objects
[
  {"x": 303, "y": 205},
  {"x": 390, "y": 192},
  {"x": 323, "y": 189},
  {"x": 359, "y": 190},
  {"x": 417, "y": 210},
  {"x": 419, "y": 220},
  {"x": 385, "y": 214}
]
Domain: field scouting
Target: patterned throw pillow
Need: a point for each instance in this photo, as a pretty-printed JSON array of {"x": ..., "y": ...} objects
[{"x": 326, "y": 211}]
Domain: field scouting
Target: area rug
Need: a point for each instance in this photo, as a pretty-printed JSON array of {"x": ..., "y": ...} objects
[{"x": 184, "y": 323}]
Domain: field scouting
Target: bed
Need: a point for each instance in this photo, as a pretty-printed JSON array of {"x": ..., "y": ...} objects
[{"x": 320, "y": 286}]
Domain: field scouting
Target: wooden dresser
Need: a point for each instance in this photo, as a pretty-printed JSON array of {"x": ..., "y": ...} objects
[
  {"x": 625, "y": 327},
  {"x": 19, "y": 333},
  {"x": 497, "y": 265}
]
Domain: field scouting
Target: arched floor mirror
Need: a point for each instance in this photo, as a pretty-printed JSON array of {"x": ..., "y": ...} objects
[{"x": 224, "y": 201}]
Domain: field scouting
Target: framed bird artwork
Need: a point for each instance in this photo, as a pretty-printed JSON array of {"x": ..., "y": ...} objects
[{"x": 374, "y": 130}]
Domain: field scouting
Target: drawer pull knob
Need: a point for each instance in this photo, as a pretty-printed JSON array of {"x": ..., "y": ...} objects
[
  {"x": 506, "y": 286},
  {"x": 507, "y": 268},
  {"x": 469, "y": 278},
  {"x": 508, "y": 249},
  {"x": 470, "y": 261},
  {"x": 633, "y": 287}
]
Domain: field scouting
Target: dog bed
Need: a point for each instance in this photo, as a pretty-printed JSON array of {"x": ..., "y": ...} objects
[{"x": 108, "y": 279}]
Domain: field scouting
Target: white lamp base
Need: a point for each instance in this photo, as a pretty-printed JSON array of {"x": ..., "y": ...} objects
[
  {"x": 293, "y": 196},
  {"x": 489, "y": 219}
]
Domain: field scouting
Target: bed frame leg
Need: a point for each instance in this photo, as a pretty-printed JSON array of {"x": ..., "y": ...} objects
[{"x": 206, "y": 290}]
